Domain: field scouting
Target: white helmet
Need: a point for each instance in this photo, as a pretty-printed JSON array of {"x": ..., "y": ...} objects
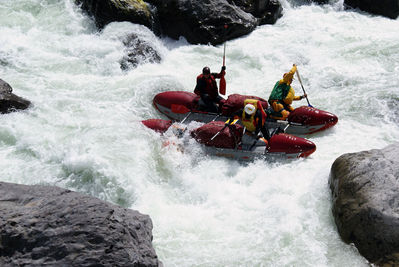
[{"x": 249, "y": 109}]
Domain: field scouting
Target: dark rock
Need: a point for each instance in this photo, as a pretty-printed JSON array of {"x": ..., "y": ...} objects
[
  {"x": 45, "y": 225},
  {"x": 10, "y": 102},
  {"x": 202, "y": 21},
  {"x": 387, "y": 8},
  {"x": 272, "y": 13},
  {"x": 106, "y": 11},
  {"x": 199, "y": 21},
  {"x": 365, "y": 193},
  {"x": 138, "y": 51},
  {"x": 267, "y": 11}
]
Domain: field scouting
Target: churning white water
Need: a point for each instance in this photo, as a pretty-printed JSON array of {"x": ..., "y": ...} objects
[{"x": 84, "y": 131}]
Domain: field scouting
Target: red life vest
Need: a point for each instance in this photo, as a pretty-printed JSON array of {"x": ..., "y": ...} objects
[{"x": 211, "y": 87}]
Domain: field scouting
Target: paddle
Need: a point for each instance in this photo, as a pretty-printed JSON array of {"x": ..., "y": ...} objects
[
  {"x": 222, "y": 84},
  {"x": 300, "y": 81},
  {"x": 225, "y": 125},
  {"x": 185, "y": 118}
]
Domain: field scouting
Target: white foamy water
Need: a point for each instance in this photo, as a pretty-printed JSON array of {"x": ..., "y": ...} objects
[{"x": 84, "y": 131}]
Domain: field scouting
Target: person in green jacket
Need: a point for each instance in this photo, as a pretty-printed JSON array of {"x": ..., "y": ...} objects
[{"x": 282, "y": 96}]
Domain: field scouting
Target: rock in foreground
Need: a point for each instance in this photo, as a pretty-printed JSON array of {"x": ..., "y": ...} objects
[
  {"x": 44, "y": 225},
  {"x": 365, "y": 193}
]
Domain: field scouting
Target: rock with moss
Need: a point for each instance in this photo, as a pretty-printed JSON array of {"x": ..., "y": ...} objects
[
  {"x": 106, "y": 11},
  {"x": 51, "y": 226},
  {"x": 365, "y": 199},
  {"x": 9, "y": 101}
]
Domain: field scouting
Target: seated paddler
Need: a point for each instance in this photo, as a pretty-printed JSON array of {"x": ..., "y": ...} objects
[
  {"x": 283, "y": 95},
  {"x": 207, "y": 89},
  {"x": 253, "y": 118}
]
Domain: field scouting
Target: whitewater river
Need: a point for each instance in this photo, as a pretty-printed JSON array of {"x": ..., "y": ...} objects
[{"x": 84, "y": 131}]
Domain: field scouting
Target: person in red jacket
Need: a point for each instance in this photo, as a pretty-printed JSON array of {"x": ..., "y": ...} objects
[{"x": 207, "y": 89}]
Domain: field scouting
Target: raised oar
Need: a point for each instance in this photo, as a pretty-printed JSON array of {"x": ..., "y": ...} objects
[
  {"x": 300, "y": 81},
  {"x": 222, "y": 84}
]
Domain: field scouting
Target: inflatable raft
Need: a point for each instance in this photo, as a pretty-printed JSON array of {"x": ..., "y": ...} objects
[
  {"x": 183, "y": 106},
  {"x": 232, "y": 142}
]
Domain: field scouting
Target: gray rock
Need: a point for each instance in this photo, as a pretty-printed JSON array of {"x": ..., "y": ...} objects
[
  {"x": 10, "y": 102},
  {"x": 138, "y": 51},
  {"x": 365, "y": 194},
  {"x": 387, "y": 8},
  {"x": 45, "y": 225}
]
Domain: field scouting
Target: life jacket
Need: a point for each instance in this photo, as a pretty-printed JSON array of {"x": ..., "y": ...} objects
[
  {"x": 280, "y": 91},
  {"x": 290, "y": 96},
  {"x": 211, "y": 87},
  {"x": 251, "y": 123}
]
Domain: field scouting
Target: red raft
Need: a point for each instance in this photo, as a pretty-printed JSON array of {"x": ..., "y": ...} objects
[
  {"x": 231, "y": 142},
  {"x": 183, "y": 106}
]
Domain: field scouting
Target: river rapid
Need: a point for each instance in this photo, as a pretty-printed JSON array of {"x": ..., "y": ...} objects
[{"x": 84, "y": 131}]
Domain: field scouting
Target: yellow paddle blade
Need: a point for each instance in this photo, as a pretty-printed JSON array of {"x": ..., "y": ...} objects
[{"x": 234, "y": 122}]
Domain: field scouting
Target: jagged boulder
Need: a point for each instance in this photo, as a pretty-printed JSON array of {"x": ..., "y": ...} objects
[
  {"x": 10, "y": 102},
  {"x": 199, "y": 21},
  {"x": 271, "y": 13},
  {"x": 138, "y": 51},
  {"x": 365, "y": 199},
  {"x": 387, "y": 8},
  {"x": 202, "y": 21},
  {"x": 51, "y": 226},
  {"x": 106, "y": 11},
  {"x": 266, "y": 11}
]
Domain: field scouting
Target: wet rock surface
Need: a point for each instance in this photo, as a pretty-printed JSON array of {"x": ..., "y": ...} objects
[
  {"x": 51, "y": 226},
  {"x": 198, "y": 21},
  {"x": 106, "y": 11},
  {"x": 9, "y": 101},
  {"x": 138, "y": 51},
  {"x": 365, "y": 193}
]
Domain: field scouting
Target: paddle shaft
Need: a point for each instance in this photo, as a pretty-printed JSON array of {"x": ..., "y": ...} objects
[
  {"x": 224, "y": 54},
  {"x": 213, "y": 137},
  {"x": 224, "y": 48},
  {"x": 222, "y": 84},
  {"x": 300, "y": 81},
  {"x": 226, "y": 124},
  {"x": 185, "y": 118}
]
